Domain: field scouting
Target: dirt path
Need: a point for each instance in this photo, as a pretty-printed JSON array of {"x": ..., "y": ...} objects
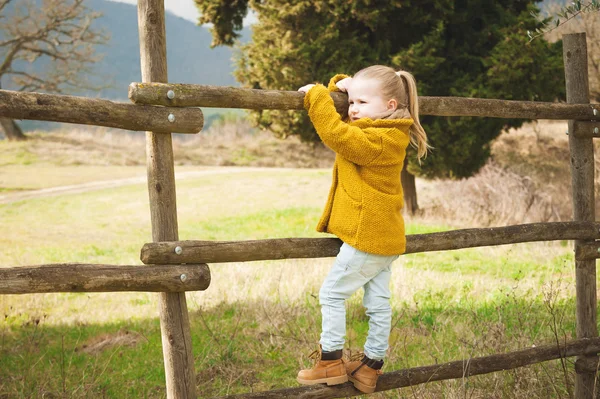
[{"x": 104, "y": 184}]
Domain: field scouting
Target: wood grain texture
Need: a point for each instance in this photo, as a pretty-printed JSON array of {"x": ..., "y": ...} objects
[
  {"x": 288, "y": 248},
  {"x": 192, "y": 95},
  {"x": 587, "y": 250},
  {"x": 98, "y": 112},
  {"x": 585, "y": 129},
  {"x": 76, "y": 277},
  {"x": 582, "y": 175},
  {"x": 174, "y": 319},
  {"x": 445, "y": 371}
]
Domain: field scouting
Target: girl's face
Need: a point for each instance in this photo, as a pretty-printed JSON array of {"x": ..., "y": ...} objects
[{"x": 364, "y": 98}]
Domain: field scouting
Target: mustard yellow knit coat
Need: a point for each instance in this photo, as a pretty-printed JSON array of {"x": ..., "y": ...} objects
[{"x": 365, "y": 200}]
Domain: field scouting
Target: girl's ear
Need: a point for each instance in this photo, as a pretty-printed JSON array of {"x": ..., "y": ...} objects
[{"x": 392, "y": 104}]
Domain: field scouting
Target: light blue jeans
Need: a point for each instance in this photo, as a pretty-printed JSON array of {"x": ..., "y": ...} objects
[{"x": 352, "y": 270}]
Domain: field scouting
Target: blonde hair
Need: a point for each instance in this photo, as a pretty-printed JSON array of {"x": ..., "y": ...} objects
[{"x": 402, "y": 87}]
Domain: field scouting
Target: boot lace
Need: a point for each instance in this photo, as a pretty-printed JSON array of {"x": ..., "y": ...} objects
[
  {"x": 356, "y": 356},
  {"x": 315, "y": 355}
]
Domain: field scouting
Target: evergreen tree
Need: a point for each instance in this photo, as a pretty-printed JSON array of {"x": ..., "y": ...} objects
[{"x": 465, "y": 48}]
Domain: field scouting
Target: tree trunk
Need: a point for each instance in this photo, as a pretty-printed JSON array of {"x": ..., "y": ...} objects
[
  {"x": 410, "y": 190},
  {"x": 11, "y": 130}
]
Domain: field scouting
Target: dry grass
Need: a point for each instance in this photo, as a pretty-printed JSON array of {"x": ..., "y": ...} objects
[
  {"x": 238, "y": 144},
  {"x": 228, "y": 143},
  {"x": 528, "y": 179},
  {"x": 105, "y": 342}
]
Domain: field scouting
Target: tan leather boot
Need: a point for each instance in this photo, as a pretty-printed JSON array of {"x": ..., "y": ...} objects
[
  {"x": 329, "y": 369},
  {"x": 364, "y": 373}
]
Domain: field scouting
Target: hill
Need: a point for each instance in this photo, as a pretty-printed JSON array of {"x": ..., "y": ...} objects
[{"x": 189, "y": 56}]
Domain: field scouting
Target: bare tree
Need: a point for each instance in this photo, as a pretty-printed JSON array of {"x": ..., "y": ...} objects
[
  {"x": 54, "y": 33},
  {"x": 588, "y": 22}
]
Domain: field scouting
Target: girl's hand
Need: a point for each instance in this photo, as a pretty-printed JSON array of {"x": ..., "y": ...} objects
[
  {"x": 305, "y": 89},
  {"x": 343, "y": 84}
]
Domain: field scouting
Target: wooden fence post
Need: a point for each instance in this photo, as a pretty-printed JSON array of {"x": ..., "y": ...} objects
[
  {"x": 174, "y": 321},
  {"x": 582, "y": 175}
]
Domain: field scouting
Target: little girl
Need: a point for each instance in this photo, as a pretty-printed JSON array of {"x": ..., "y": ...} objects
[{"x": 363, "y": 210}]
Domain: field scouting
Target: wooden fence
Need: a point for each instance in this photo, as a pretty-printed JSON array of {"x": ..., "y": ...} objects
[{"x": 174, "y": 267}]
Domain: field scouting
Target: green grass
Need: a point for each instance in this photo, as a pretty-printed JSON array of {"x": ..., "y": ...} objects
[
  {"x": 257, "y": 323},
  {"x": 509, "y": 264},
  {"x": 263, "y": 345}
]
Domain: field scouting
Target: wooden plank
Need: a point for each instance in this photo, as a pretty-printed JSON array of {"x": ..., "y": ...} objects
[
  {"x": 240, "y": 251},
  {"x": 421, "y": 375},
  {"x": 98, "y": 112},
  {"x": 174, "y": 319},
  {"x": 192, "y": 95},
  {"x": 587, "y": 250},
  {"x": 288, "y": 248},
  {"x": 76, "y": 277},
  {"x": 582, "y": 175},
  {"x": 456, "y": 106}
]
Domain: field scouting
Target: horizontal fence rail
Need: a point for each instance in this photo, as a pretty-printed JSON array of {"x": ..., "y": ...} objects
[
  {"x": 445, "y": 371},
  {"x": 287, "y": 248},
  {"x": 192, "y": 95},
  {"x": 91, "y": 111},
  {"x": 75, "y": 277}
]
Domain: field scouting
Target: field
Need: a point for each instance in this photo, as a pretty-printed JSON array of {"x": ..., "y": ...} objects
[{"x": 81, "y": 197}]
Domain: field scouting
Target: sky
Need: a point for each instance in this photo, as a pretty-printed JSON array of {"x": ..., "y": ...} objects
[{"x": 185, "y": 9}]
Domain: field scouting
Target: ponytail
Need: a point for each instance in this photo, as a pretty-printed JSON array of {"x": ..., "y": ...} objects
[
  {"x": 401, "y": 86},
  {"x": 418, "y": 136}
]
